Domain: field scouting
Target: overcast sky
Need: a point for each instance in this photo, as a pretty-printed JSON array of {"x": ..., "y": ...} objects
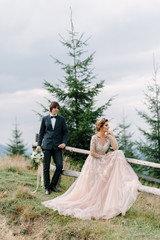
[{"x": 125, "y": 35}]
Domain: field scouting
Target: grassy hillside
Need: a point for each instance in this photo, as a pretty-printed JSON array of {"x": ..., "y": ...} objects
[{"x": 22, "y": 216}]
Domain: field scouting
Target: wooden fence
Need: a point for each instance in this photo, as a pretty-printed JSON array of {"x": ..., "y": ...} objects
[
  {"x": 130, "y": 160},
  {"x": 70, "y": 173}
]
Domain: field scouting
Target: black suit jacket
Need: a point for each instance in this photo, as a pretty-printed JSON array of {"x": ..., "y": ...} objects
[{"x": 49, "y": 138}]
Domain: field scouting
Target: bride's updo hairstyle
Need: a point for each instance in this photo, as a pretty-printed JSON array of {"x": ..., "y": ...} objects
[{"x": 100, "y": 123}]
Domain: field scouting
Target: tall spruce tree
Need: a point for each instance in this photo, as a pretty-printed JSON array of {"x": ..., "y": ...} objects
[
  {"x": 77, "y": 91},
  {"x": 16, "y": 145},
  {"x": 150, "y": 147}
]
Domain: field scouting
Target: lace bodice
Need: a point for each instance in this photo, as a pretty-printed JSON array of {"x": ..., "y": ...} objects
[{"x": 98, "y": 150}]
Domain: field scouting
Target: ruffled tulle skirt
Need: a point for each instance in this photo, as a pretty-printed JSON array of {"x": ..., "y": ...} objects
[{"x": 105, "y": 188}]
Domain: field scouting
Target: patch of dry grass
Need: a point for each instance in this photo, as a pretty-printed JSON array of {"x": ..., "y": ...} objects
[
  {"x": 22, "y": 193},
  {"x": 17, "y": 162},
  {"x": 67, "y": 164},
  {"x": 151, "y": 203}
]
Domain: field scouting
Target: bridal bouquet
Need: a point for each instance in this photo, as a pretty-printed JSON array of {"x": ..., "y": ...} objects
[{"x": 36, "y": 158}]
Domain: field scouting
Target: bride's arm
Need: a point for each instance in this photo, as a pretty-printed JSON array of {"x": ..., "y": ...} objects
[
  {"x": 114, "y": 143},
  {"x": 93, "y": 148}
]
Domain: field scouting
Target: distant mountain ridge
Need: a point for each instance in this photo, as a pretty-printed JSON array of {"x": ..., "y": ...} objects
[{"x": 3, "y": 150}]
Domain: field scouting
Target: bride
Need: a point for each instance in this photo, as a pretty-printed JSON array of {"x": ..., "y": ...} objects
[{"x": 107, "y": 185}]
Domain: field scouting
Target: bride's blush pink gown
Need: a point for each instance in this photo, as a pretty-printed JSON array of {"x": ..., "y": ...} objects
[{"x": 106, "y": 187}]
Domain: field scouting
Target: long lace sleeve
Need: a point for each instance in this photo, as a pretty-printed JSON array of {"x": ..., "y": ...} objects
[
  {"x": 114, "y": 143},
  {"x": 93, "y": 152}
]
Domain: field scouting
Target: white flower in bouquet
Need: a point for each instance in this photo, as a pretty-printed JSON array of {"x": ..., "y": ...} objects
[{"x": 37, "y": 156}]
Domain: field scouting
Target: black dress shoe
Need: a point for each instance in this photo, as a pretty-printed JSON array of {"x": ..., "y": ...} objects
[
  {"x": 54, "y": 189},
  {"x": 47, "y": 192}
]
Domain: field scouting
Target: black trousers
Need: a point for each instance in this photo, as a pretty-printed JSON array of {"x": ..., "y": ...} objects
[{"x": 58, "y": 160}]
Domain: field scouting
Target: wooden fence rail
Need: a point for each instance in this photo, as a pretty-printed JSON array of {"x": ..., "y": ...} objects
[
  {"x": 70, "y": 173},
  {"x": 130, "y": 160}
]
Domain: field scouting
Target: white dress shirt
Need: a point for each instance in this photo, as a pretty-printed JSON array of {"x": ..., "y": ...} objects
[{"x": 53, "y": 121}]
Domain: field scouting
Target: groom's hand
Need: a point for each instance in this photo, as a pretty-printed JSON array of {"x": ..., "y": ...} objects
[
  {"x": 62, "y": 145},
  {"x": 38, "y": 148}
]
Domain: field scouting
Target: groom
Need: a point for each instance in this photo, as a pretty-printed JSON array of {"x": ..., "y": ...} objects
[{"x": 53, "y": 136}]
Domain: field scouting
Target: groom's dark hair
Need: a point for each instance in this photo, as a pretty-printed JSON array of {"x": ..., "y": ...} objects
[{"x": 54, "y": 105}]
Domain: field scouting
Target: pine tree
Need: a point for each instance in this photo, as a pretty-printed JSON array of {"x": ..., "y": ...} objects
[
  {"x": 150, "y": 147},
  {"x": 126, "y": 144},
  {"x": 16, "y": 145},
  {"x": 77, "y": 91},
  {"x": 124, "y": 139}
]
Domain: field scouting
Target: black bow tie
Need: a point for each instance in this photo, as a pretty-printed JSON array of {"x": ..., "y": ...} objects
[{"x": 53, "y": 116}]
